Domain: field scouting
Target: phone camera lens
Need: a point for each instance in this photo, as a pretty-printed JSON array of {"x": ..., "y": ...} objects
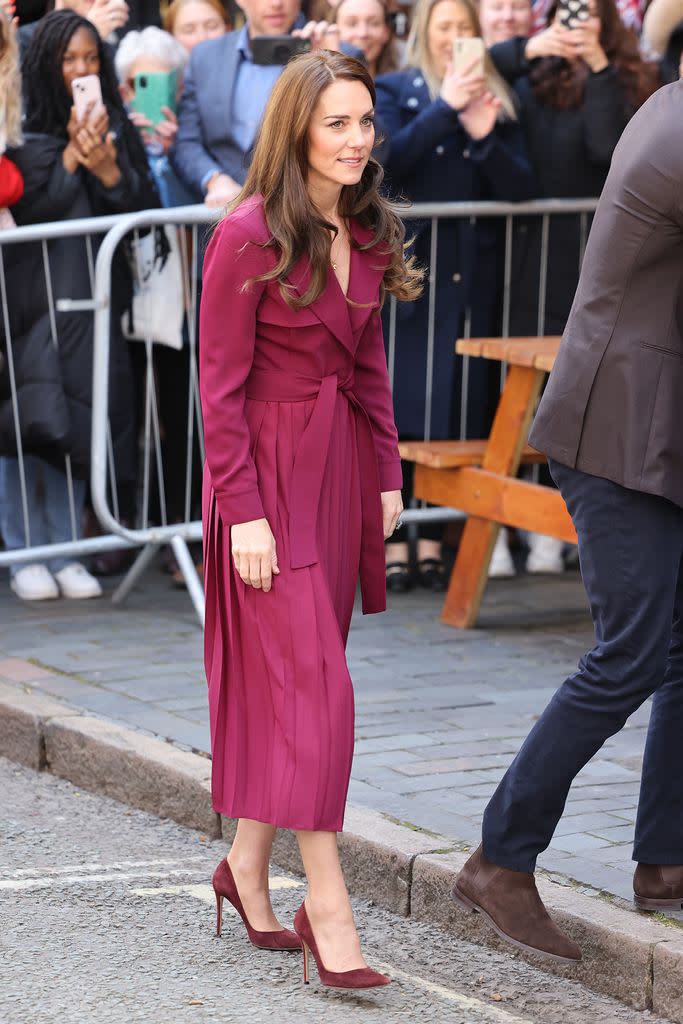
[{"x": 143, "y": 81}]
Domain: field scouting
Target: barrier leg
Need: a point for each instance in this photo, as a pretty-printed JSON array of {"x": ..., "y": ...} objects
[
  {"x": 136, "y": 570},
  {"x": 186, "y": 566}
]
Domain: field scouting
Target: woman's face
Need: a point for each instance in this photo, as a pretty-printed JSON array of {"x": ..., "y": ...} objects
[
  {"x": 363, "y": 23},
  {"x": 504, "y": 19},
  {"x": 197, "y": 21},
  {"x": 448, "y": 21},
  {"x": 341, "y": 135},
  {"x": 80, "y": 58}
]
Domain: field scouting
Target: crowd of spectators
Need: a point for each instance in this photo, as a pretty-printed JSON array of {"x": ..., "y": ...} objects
[{"x": 539, "y": 117}]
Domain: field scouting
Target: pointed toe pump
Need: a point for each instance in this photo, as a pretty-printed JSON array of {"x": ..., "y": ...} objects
[
  {"x": 362, "y": 977},
  {"x": 225, "y": 888}
]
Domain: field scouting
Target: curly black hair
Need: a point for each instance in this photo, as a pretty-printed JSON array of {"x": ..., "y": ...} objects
[{"x": 47, "y": 103}]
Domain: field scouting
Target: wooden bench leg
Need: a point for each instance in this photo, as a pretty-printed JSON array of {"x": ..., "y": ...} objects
[{"x": 503, "y": 453}]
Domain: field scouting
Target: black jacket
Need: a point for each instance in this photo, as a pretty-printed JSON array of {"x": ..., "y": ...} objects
[
  {"x": 570, "y": 152},
  {"x": 51, "y": 193}
]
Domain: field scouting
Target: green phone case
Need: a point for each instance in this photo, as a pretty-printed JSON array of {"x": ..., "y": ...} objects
[{"x": 154, "y": 91}]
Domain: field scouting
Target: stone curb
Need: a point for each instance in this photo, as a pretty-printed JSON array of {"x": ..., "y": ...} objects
[{"x": 627, "y": 955}]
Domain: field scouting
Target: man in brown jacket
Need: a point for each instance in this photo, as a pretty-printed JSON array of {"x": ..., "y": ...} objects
[{"x": 611, "y": 424}]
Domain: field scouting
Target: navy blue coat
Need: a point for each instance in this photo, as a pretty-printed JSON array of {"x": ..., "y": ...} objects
[{"x": 428, "y": 157}]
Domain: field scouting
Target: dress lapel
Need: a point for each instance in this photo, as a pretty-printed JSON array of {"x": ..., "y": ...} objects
[
  {"x": 330, "y": 307},
  {"x": 346, "y": 320}
]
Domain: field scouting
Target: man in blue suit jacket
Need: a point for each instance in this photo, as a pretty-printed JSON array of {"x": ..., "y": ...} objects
[{"x": 224, "y": 97}]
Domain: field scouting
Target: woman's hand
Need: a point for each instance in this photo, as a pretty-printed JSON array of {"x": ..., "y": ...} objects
[
  {"x": 479, "y": 117},
  {"x": 167, "y": 129},
  {"x": 324, "y": 35},
  {"x": 163, "y": 133},
  {"x": 254, "y": 554},
  {"x": 461, "y": 87},
  {"x": 108, "y": 15},
  {"x": 586, "y": 37},
  {"x": 553, "y": 41},
  {"x": 392, "y": 506},
  {"x": 101, "y": 162}
]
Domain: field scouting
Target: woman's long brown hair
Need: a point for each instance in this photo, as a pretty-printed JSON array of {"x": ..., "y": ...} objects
[
  {"x": 279, "y": 172},
  {"x": 561, "y": 84}
]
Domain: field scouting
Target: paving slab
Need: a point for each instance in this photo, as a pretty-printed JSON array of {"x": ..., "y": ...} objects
[{"x": 440, "y": 712}]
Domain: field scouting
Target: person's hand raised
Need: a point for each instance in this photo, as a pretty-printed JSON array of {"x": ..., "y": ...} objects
[
  {"x": 554, "y": 41},
  {"x": 254, "y": 554},
  {"x": 323, "y": 35},
  {"x": 108, "y": 15},
  {"x": 461, "y": 87},
  {"x": 479, "y": 117},
  {"x": 163, "y": 133},
  {"x": 587, "y": 44}
]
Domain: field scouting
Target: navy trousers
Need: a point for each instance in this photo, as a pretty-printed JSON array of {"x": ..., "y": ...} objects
[{"x": 631, "y": 554}]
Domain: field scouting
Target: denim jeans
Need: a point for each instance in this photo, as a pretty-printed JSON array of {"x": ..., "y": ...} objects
[
  {"x": 631, "y": 554},
  {"x": 49, "y": 515}
]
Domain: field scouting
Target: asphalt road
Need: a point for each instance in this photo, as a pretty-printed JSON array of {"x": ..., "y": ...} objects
[{"x": 106, "y": 917}]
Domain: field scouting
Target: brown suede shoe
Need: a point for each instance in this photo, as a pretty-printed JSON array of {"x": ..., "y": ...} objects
[
  {"x": 658, "y": 887},
  {"x": 510, "y": 903}
]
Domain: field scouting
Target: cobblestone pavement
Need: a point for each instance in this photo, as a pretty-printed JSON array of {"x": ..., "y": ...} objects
[
  {"x": 440, "y": 712},
  {"x": 109, "y": 920}
]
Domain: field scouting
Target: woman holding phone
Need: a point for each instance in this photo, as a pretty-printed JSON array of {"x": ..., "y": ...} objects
[
  {"x": 451, "y": 133},
  {"x": 74, "y": 165},
  {"x": 302, "y": 482},
  {"x": 577, "y": 89}
]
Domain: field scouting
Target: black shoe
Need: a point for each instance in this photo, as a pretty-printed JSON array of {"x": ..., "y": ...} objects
[
  {"x": 431, "y": 574},
  {"x": 399, "y": 577}
]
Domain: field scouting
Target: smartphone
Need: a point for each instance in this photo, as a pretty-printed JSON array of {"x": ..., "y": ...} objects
[
  {"x": 573, "y": 12},
  {"x": 468, "y": 50},
  {"x": 153, "y": 92},
  {"x": 87, "y": 93},
  {"x": 277, "y": 49}
]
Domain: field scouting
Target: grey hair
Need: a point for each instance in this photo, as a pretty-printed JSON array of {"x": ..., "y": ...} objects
[{"x": 150, "y": 42}]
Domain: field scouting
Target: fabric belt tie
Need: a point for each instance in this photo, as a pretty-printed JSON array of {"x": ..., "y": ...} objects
[{"x": 309, "y": 469}]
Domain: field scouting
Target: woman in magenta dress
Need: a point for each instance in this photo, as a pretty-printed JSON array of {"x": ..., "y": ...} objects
[{"x": 302, "y": 485}]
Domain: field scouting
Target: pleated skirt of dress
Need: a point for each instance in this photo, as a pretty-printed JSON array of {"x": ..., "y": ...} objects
[{"x": 280, "y": 695}]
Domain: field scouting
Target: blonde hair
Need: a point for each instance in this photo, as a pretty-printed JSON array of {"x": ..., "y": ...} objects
[
  {"x": 417, "y": 54},
  {"x": 10, "y": 86}
]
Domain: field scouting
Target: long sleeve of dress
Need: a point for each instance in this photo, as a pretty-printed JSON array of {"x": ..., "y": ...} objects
[
  {"x": 227, "y": 337},
  {"x": 374, "y": 393}
]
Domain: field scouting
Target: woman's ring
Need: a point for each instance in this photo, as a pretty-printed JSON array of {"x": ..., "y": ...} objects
[{"x": 399, "y": 524}]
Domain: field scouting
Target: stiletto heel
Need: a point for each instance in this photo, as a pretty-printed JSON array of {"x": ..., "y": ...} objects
[
  {"x": 361, "y": 977},
  {"x": 219, "y": 913},
  {"x": 224, "y": 885}
]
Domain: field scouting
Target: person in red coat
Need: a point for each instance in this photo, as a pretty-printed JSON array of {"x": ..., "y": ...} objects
[{"x": 301, "y": 487}]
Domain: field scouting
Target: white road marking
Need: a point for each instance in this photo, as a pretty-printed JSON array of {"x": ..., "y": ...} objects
[
  {"x": 110, "y": 877},
  {"x": 119, "y": 865},
  {"x": 206, "y": 894},
  {"x": 447, "y": 994}
]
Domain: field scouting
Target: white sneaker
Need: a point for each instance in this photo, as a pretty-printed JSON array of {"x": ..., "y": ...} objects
[
  {"x": 501, "y": 565},
  {"x": 34, "y": 583},
  {"x": 76, "y": 582},
  {"x": 545, "y": 554}
]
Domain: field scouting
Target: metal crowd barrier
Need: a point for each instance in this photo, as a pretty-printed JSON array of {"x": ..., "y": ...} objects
[{"x": 191, "y": 224}]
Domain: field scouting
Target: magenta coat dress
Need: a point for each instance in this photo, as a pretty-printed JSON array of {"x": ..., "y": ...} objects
[{"x": 299, "y": 428}]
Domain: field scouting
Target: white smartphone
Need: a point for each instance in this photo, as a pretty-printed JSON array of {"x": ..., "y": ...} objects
[
  {"x": 87, "y": 94},
  {"x": 468, "y": 50}
]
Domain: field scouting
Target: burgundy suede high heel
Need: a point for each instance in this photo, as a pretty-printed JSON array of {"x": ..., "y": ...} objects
[
  {"x": 224, "y": 886},
  {"x": 361, "y": 977}
]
